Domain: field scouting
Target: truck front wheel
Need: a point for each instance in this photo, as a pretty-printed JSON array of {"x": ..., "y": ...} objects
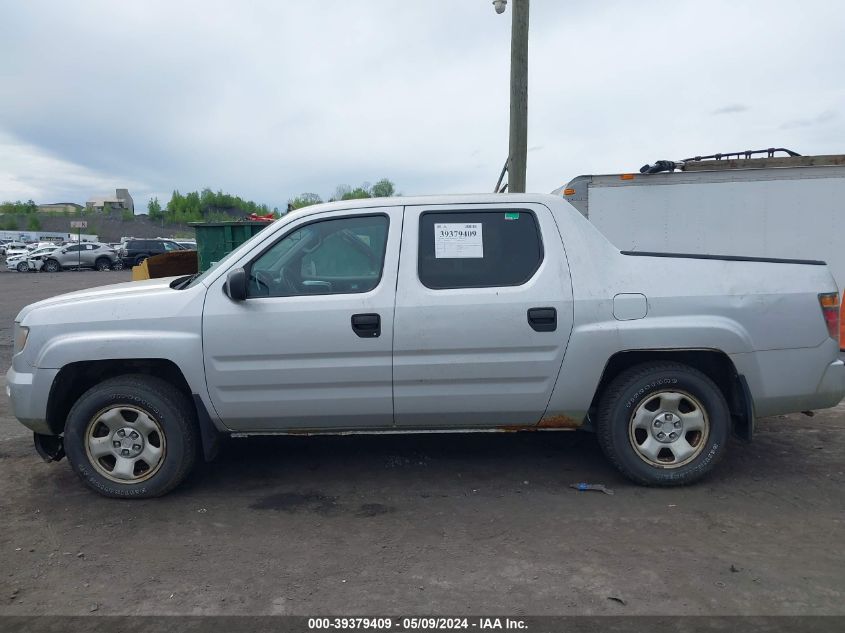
[
  {"x": 132, "y": 436},
  {"x": 663, "y": 424}
]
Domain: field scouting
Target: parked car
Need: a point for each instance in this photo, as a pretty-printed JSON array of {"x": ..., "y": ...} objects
[
  {"x": 32, "y": 260},
  {"x": 11, "y": 249},
  {"x": 84, "y": 255},
  {"x": 448, "y": 313},
  {"x": 136, "y": 251},
  {"x": 36, "y": 245},
  {"x": 188, "y": 245},
  {"x": 18, "y": 262}
]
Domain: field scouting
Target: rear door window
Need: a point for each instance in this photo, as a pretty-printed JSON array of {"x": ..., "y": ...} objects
[{"x": 478, "y": 249}]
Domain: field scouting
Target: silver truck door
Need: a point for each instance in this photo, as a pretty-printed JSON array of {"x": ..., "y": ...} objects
[
  {"x": 310, "y": 348},
  {"x": 483, "y": 315}
]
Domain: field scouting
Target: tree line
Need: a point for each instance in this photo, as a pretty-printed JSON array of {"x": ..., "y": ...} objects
[
  {"x": 205, "y": 205},
  {"x": 25, "y": 211},
  {"x": 384, "y": 188}
]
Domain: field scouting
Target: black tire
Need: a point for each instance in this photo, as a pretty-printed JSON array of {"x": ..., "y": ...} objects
[
  {"x": 103, "y": 263},
  {"x": 172, "y": 411},
  {"x": 140, "y": 259},
  {"x": 632, "y": 393},
  {"x": 23, "y": 267},
  {"x": 51, "y": 266},
  {"x": 117, "y": 265}
]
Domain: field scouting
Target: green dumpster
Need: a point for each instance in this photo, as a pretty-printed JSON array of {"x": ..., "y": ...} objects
[{"x": 217, "y": 239}]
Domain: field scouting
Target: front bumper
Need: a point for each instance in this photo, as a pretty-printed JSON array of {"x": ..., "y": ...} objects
[{"x": 28, "y": 393}]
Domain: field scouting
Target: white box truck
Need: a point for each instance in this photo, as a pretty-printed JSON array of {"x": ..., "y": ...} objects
[{"x": 773, "y": 207}]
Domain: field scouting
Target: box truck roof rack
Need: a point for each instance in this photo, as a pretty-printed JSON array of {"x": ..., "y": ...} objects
[
  {"x": 671, "y": 165},
  {"x": 770, "y": 152},
  {"x": 744, "y": 160}
]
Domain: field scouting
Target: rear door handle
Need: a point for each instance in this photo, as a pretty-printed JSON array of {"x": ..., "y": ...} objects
[
  {"x": 366, "y": 325},
  {"x": 542, "y": 319}
]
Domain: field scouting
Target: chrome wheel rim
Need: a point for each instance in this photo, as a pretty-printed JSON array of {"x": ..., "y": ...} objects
[
  {"x": 669, "y": 429},
  {"x": 125, "y": 444}
]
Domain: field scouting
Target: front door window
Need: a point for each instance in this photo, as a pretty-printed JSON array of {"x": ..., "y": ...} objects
[{"x": 339, "y": 256}]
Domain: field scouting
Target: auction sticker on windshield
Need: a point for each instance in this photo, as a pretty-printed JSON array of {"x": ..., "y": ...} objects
[{"x": 456, "y": 240}]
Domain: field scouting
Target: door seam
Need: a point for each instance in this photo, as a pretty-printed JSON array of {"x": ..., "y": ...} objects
[{"x": 393, "y": 324}]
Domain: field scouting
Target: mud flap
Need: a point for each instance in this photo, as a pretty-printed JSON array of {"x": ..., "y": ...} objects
[
  {"x": 51, "y": 448},
  {"x": 208, "y": 432},
  {"x": 742, "y": 410}
]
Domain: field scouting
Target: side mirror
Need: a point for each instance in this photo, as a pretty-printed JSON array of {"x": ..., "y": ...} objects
[{"x": 235, "y": 286}]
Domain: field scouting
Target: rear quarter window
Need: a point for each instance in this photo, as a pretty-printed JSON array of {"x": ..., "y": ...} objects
[{"x": 478, "y": 249}]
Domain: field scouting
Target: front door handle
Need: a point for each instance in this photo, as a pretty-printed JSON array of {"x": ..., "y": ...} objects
[
  {"x": 366, "y": 325},
  {"x": 542, "y": 319}
]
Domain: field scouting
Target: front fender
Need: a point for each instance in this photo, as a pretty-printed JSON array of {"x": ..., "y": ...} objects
[{"x": 66, "y": 348}]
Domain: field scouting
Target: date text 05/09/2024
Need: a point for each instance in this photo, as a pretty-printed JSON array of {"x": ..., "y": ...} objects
[{"x": 417, "y": 623}]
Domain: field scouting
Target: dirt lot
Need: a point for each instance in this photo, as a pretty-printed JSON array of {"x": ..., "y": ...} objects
[{"x": 404, "y": 525}]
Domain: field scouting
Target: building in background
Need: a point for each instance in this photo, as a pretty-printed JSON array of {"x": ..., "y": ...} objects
[
  {"x": 121, "y": 200},
  {"x": 47, "y": 236},
  {"x": 59, "y": 207}
]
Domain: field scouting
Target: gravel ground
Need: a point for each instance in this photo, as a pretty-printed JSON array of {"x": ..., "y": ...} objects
[{"x": 459, "y": 524}]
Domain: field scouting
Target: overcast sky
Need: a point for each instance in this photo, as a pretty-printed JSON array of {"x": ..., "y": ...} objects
[{"x": 270, "y": 99}]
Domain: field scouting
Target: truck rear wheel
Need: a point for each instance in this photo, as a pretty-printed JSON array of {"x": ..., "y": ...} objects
[
  {"x": 132, "y": 436},
  {"x": 663, "y": 424}
]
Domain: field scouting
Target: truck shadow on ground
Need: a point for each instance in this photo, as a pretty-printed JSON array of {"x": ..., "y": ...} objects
[
  {"x": 419, "y": 463},
  {"x": 483, "y": 455},
  {"x": 310, "y": 473},
  {"x": 368, "y": 476}
]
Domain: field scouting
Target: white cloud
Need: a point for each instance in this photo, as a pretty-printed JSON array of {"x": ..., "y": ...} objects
[
  {"x": 733, "y": 108},
  {"x": 268, "y": 99},
  {"x": 27, "y": 172}
]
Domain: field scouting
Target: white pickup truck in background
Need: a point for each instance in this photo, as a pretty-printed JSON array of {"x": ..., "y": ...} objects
[{"x": 445, "y": 313}]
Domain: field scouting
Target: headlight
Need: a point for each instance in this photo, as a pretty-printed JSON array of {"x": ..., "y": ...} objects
[{"x": 21, "y": 334}]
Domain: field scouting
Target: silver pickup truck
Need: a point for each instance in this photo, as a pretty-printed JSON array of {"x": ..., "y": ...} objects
[{"x": 448, "y": 313}]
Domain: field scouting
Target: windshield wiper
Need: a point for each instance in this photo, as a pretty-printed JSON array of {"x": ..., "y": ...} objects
[{"x": 181, "y": 284}]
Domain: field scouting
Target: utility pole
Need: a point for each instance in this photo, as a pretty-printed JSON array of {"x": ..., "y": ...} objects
[
  {"x": 518, "y": 146},
  {"x": 518, "y": 143}
]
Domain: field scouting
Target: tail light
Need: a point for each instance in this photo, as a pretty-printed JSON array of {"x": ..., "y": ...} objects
[{"x": 829, "y": 302}]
